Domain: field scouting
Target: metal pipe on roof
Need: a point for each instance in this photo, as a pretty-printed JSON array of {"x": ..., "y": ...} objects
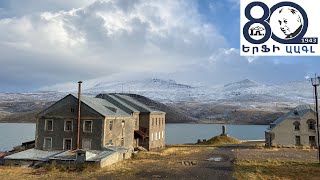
[{"x": 79, "y": 114}]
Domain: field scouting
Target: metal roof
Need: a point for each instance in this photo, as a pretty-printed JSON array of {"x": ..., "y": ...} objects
[
  {"x": 103, "y": 107},
  {"x": 126, "y": 103},
  {"x": 33, "y": 154},
  {"x": 297, "y": 112}
]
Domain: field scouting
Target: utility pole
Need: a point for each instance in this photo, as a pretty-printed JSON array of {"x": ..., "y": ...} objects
[
  {"x": 315, "y": 83},
  {"x": 79, "y": 115}
]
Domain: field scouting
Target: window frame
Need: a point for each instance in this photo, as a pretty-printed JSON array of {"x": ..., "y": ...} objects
[
  {"x": 156, "y": 136},
  {"x": 296, "y": 143},
  {"x": 296, "y": 125},
  {"x": 111, "y": 125},
  {"x": 65, "y": 125},
  {"x": 313, "y": 122},
  {"x": 46, "y": 125},
  {"x": 162, "y": 135},
  {"x": 64, "y": 144},
  {"x": 44, "y": 143},
  {"x": 83, "y": 144},
  {"x": 84, "y": 126}
]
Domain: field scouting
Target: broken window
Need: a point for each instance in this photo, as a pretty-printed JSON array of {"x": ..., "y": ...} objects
[
  {"x": 68, "y": 125},
  {"x": 298, "y": 142},
  {"x": 67, "y": 144},
  {"x": 311, "y": 124},
  {"x": 49, "y": 125},
  {"x": 296, "y": 125},
  {"x": 47, "y": 144},
  {"x": 312, "y": 140},
  {"x": 87, "y": 126}
]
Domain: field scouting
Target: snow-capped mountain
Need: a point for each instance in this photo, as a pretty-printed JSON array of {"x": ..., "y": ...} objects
[
  {"x": 203, "y": 102},
  {"x": 171, "y": 91}
]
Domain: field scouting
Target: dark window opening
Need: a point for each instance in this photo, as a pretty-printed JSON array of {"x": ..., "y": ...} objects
[
  {"x": 296, "y": 126},
  {"x": 312, "y": 140},
  {"x": 311, "y": 124},
  {"x": 67, "y": 144},
  {"x": 49, "y": 125},
  {"x": 298, "y": 142},
  {"x": 87, "y": 126},
  {"x": 68, "y": 125},
  {"x": 110, "y": 125}
]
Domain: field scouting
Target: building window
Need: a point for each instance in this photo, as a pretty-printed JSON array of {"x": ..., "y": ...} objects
[
  {"x": 47, "y": 144},
  {"x": 110, "y": 142},
  {"x": 68, "y": 125},
  {"x": 110, "y": 125},
  {"x": 151, "y": 136},
  {"x": 67, "y": 144},
  {"x": 122, "y": 124},
  {"x": 87, "y": 126},
  {"x": 312, "y": 140},
  {"x": 159, "y": 136},
  {"x": 49, "y": 125},
  {"x": 122, "y": 142},
  {"x": 162, "y": 135},
  {"x": 72, "y": 110},
  {"x": 311, "y": 124},
  {"x": 156, "y": 136},
  {"x": 162, "y": 121},
  {"x": 152, "y": 121},
  {"x": 298, "y": 142},
  {"x": 296, "y": 126},
  {"x": 86, "y": 143},
  {"x": 156, "y": 121}
]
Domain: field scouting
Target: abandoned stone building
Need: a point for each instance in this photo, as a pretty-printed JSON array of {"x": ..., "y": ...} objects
[
  {"x": 108, "y": 123},
  {"x": 295, "y": 128}
]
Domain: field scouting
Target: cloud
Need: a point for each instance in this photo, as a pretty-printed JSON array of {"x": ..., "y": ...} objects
[
  {"x": 102, "y": 38},
  {"x": 52, "y": 42}
]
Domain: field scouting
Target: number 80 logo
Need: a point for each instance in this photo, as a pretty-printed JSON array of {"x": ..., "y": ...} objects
[{"x": 285, "y": 22}]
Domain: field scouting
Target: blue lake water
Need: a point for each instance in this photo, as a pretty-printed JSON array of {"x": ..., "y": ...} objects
[{"x": 13, "y": 134}]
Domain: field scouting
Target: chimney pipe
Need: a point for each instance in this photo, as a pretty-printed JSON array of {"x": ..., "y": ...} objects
[{"x": 79, "y": 114}]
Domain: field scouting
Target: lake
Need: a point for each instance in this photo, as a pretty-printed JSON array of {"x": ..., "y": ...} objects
[{"x": 13, "y": 134}]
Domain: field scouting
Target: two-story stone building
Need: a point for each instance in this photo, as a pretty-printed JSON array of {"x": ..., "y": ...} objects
[
  {"x": 109, "y": 123},
  {"x": 295, "y": 128}
]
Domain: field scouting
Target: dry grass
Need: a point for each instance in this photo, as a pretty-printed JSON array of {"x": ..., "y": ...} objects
[
  {"x": 167, "y": 159},
  {"x": 276, "y": 169}
]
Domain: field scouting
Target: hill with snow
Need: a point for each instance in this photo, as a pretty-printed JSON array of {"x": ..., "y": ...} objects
[{"x": 242, "y": 101}]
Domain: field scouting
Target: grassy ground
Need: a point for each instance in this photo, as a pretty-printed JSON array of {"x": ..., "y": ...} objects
[
  {"x": 171, "y": 162},
  {"x": 276, "y": 163},
  {"x": 276, "y": 169}
]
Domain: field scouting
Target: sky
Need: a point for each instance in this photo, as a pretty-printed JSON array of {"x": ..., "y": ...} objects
[{"x": 49, "y": 43}]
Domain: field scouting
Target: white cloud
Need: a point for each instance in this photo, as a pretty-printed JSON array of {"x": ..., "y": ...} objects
[{"x": 57, "y": 41}]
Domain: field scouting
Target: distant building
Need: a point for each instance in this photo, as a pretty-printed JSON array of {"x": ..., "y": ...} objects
[
  {"x": 109, "y": 123},
  {"x": 295, "y": 128}
]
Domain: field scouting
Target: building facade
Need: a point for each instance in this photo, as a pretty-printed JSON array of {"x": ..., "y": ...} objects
[
  {"x": 295, "y": 128},
  {"x": 107, "y": 120}
]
